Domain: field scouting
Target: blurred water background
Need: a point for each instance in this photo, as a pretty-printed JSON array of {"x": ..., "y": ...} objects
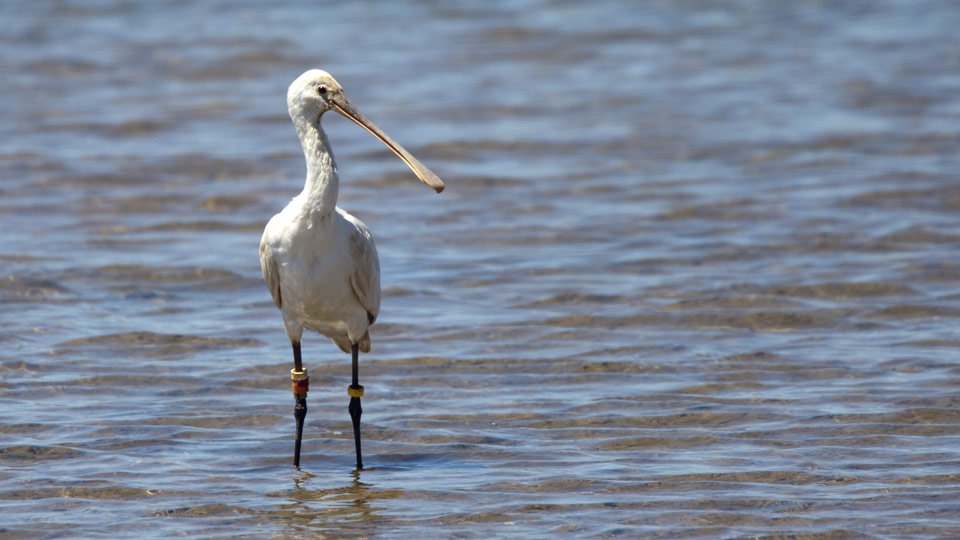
[{"x": 695, "y": 273}]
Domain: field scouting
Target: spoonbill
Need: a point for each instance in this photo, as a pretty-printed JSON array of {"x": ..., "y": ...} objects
[{"x": 319, "y": 262}]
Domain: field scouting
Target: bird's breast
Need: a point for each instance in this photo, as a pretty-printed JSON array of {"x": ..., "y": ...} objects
[{"x": 316, "y": 262}]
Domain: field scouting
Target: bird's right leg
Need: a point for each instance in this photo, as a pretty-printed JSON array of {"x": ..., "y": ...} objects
[
  {"x": 356, "y": 391},
  {"x": 301, "y": 383}
]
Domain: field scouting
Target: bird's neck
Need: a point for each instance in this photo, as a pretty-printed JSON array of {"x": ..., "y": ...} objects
[{"x": 320, "y": 191}]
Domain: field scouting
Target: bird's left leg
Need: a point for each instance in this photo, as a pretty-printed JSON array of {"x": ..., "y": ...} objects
[
  {"x": 355, "y": 391},
  {"x": 301, "y": 384}
]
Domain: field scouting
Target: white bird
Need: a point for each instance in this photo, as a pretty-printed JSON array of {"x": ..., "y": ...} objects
[{"x": 318, "y": 261}]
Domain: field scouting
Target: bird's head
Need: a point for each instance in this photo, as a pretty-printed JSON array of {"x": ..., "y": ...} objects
[
  {"x": 311, "y": 94},
  {"x": 316, "y": 92}
]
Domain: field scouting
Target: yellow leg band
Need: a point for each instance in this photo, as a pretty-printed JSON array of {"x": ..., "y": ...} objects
[{"x": 355, "y": 391}]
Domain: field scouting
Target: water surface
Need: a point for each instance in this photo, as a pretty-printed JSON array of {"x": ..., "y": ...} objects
[{"x": 695, "y": 273}]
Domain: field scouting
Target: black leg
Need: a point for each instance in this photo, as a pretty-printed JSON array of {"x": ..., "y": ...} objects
[
  {"x": 300, "y": 386},
  {"x": 356, "y": 391},
  {"x": 299, "y": 413},
  {"x": 297, "y": 359}
]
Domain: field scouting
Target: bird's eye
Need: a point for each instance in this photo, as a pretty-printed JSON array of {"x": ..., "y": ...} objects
[{"x": 322, "y": 90}]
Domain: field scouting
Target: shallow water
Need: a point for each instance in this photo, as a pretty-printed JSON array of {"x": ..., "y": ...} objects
[{"x": 695, "y": 273}]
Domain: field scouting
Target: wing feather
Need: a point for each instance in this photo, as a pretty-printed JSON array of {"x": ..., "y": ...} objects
[
  {"x": 366, "y": 273},
  {"x": 271, "y": 274}
]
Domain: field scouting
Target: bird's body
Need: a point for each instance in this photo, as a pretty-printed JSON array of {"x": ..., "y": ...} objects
[
  {"x": 319, "y": 262},
  {"x": 322, "y": 270}
]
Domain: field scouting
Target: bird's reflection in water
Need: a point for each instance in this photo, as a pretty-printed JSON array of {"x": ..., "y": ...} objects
[{"x": 355, "y": 506}]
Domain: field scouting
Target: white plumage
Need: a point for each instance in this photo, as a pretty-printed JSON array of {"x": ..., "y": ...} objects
[{"x": 319, "y": 262}]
